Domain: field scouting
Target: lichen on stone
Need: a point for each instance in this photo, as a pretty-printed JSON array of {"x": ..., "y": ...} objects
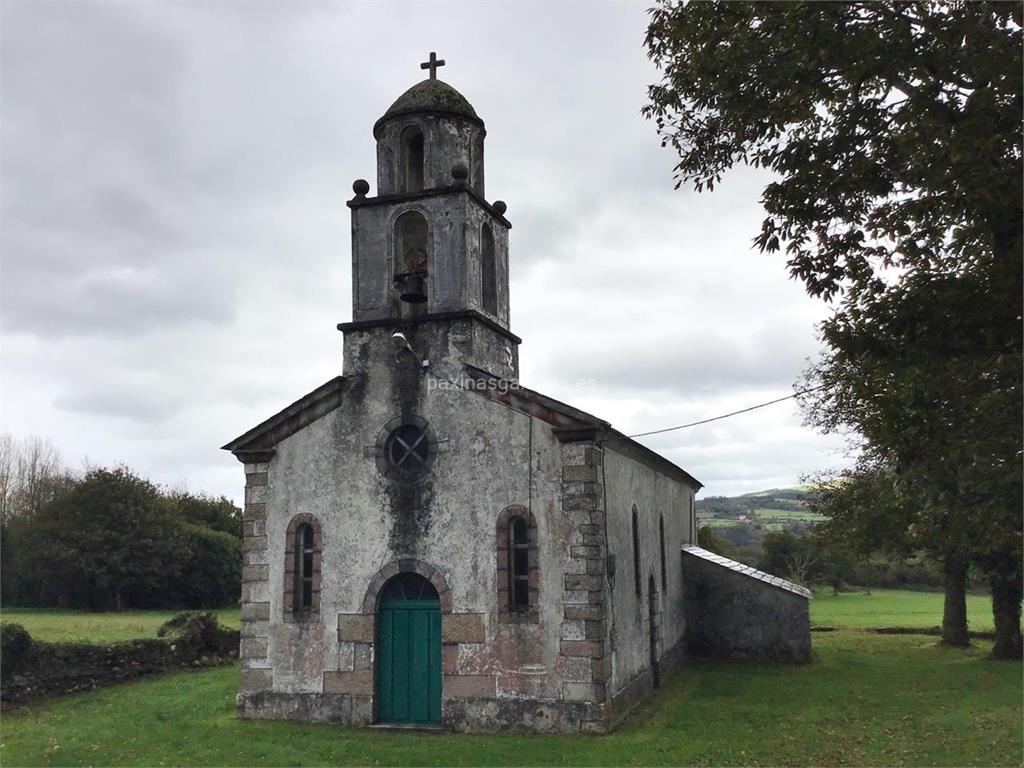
[{"x": 432, "y": 95}]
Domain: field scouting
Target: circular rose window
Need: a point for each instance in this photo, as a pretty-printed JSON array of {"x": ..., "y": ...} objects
[{"x": 405, "y": 448}]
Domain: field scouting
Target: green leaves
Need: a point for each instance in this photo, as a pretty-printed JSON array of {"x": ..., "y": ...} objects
[
  {"x": 883, "y": 120},
  {"x": 113, "y": 540}
]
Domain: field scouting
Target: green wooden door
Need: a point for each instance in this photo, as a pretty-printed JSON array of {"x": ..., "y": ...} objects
[{"x": 409, "y": 662}]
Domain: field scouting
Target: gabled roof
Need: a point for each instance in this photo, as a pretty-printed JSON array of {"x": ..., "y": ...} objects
[
  {"x": 258, "y": 443},
  {"x": 569, "y": 424},
  {"x": 572, "y": 425}
]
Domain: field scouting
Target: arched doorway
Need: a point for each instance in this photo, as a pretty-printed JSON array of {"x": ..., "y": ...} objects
[
  {"x": 652, "y": 620},
  {"x": 409, "y": 651}
]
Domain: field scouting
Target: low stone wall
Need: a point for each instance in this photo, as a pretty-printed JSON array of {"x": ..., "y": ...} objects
[
  {"x": 735, "y": 611},
  {"x": 31, "y": 669}
]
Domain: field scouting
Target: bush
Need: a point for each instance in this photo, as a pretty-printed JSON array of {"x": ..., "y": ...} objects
[
  {"x": 707, "y": 539},
  {"x": 196, "y": 632},
  {"x": 15, "y": 647},
  {"x": 213, "y": 575}
]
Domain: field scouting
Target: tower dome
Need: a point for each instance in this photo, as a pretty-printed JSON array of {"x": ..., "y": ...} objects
[
  {"x": 430, "y": 138},
  {"x": 434, "y": 97}
]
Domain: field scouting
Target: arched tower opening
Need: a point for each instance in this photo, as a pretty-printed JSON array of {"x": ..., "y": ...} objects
[
  {"x": 413, "y": 158},
  {"x": 488, "y": 271},
  {"x": 411, "y": 260}
]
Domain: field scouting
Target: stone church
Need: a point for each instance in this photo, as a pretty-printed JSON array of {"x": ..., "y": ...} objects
[{"x": 428, "y": 543}]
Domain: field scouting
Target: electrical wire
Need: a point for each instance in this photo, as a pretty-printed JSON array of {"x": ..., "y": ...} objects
[
  {"x": 681, "y": 426},
  {"x": 734, "y": 413}
]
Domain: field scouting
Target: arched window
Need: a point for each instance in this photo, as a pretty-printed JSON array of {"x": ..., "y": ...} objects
[
  {"x": 488, "y": 271},
  {"x": 411, "y": 243},
  {"x": 637, "y": 581},
  {"x": 518, "y": 564},
  {"x": 302, "y": 569},
  {"x": 518, "y": 574},
  {"x": 664, "y": 569},
  {"x": 412, "y": 159}
]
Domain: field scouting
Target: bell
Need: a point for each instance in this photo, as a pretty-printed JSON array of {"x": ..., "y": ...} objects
[{"x": 413, "y": 290}]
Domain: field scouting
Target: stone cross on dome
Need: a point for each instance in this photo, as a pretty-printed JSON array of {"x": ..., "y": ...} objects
[{"x": 432, "y": 65}]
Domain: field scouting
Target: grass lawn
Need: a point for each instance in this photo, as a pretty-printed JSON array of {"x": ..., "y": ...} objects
[
  {"x": 893, "y": 607},
  {"x": 880, "y": 608},
  {"x": 56, "y": 626},
  {"x": 865, "y": 700}
]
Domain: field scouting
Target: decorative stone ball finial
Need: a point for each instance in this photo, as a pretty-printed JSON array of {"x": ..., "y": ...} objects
[
  {"x": 499, "y": 207},
  {"x": 360, "y": 187},
  {"x": 460, "y": 171}
]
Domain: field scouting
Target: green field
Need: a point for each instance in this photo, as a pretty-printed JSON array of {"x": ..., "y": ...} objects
[
  {"x": 769, "y": 519},
  {"x": 879, "y": 608},
  {"x": 788, "y": 514},
  {"x": 894, "y": 608},
  {"x": 866, "y": 699},
  {"x": 719, "y": 522},
  {"x": 55, "y": 626}
]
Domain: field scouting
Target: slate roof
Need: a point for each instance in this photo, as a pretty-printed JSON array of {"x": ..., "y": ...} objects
[
  {"x": 258, "y": 443},
  {"x": 569, "y": 423},
  {"x": 747, "y": 570}
]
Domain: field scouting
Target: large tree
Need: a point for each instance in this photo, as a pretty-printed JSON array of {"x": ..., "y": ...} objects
[
  {"x": 893, "y": 135},
  {"x": 940, "y": 415},
  {"x": 111, "y": 542},
  {"x": 893, "y": 128},
  {"x": 31, "y": 475}
]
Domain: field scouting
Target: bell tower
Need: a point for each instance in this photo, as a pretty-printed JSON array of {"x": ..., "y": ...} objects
[{"x": 429, "y": 248}]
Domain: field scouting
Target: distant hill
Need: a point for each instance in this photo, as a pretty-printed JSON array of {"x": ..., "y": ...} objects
[{"x": 774, "y": 509}]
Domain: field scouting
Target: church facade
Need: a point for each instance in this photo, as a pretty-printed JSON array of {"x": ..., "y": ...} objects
[{"x": 427, "y": 542}]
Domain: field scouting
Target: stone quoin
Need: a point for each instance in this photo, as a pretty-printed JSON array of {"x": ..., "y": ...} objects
[{"x": 429, "y": 543}]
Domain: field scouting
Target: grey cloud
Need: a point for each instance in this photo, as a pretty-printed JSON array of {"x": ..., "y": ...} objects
[
  {"x": 135, "y": 405},
  {"x": 176, "y": 244}
]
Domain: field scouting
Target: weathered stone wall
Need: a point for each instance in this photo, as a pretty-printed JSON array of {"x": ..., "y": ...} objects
[
  {"x": 632, "y": 481},
  {"x": 47, "y": 669},
  {"x": 584, "y": 649},
  {"x": 255, "y": 603},
  {"x": 446, "y": 140},
  {"x": 739, "y": 612},
  {"x": 476, "y": 217},
  {"x": 453, "y": 281},
  {"x": 444, "y": 524}
]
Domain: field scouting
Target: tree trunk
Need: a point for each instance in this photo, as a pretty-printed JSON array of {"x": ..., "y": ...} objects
[
  {"x": 1006, "y": 596},
  {"x": 954, "y": 609}
]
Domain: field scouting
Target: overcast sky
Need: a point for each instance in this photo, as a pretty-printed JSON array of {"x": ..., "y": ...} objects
[{"x": 175, "y": 241}]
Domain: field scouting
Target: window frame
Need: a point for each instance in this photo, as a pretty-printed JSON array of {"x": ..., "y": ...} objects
[
  {"x": 509, "y": 612},
  {"x": 518, "y": 572},
  {"x": 304, "y": 554},
  {"x": 301, "y": 551}
]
